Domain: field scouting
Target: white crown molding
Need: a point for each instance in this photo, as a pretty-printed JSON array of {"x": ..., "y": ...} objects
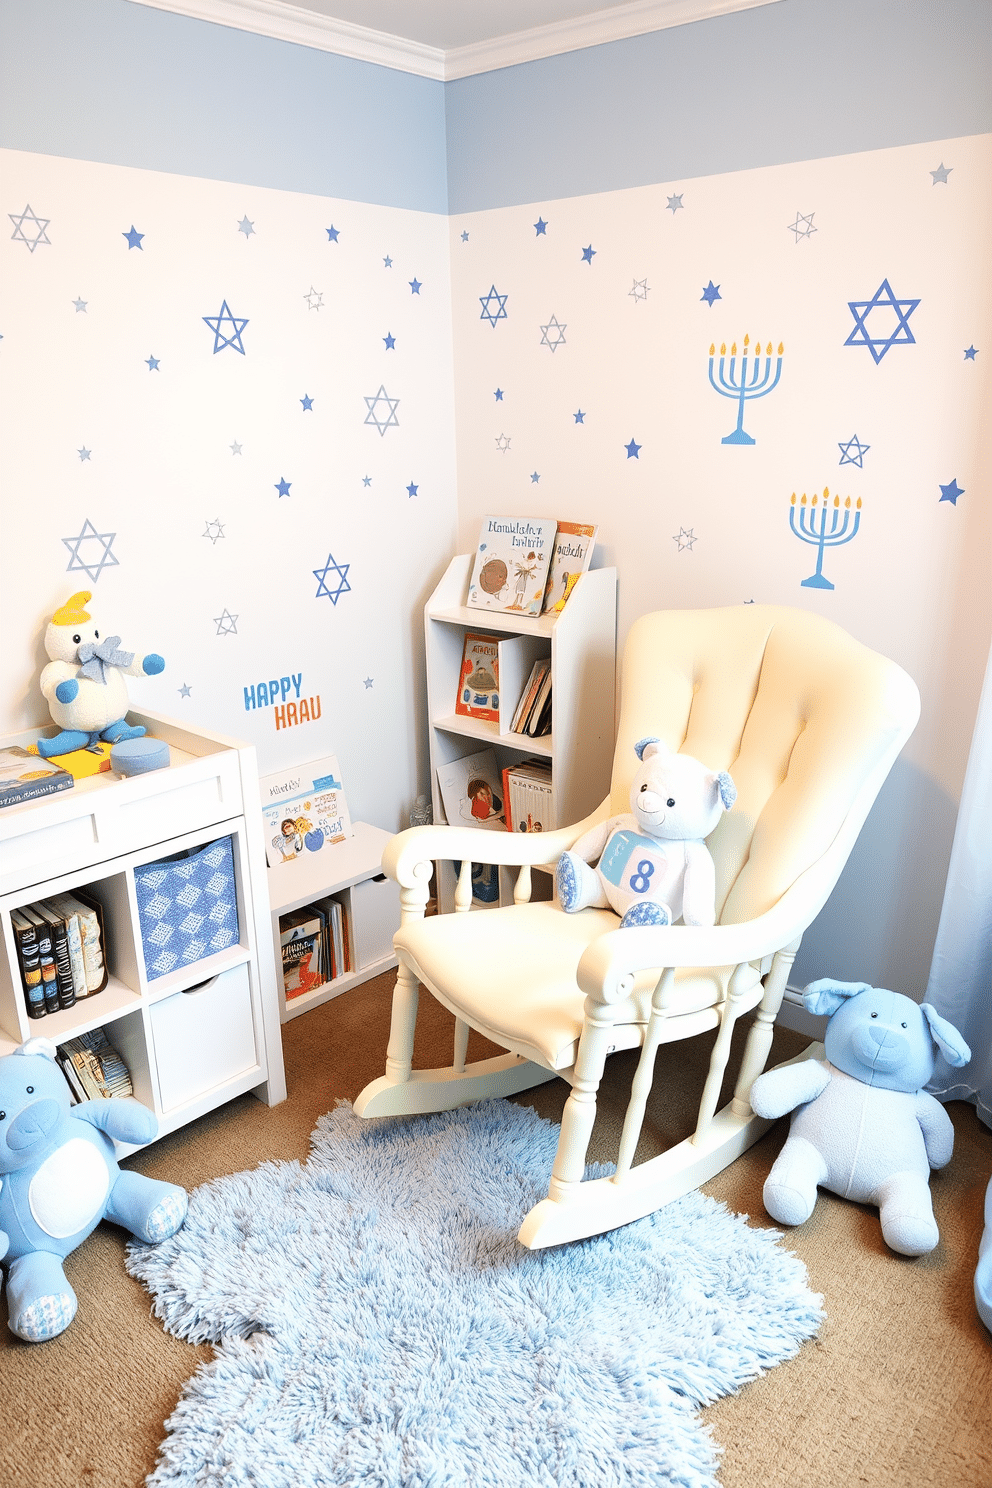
[{"x": 286, "y": 22}]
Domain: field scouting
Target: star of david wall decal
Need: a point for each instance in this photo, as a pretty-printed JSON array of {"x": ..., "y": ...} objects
[
  {"x": 326, "y": 589},
  {"x": 382, "y": 411},
  {"x": 35, "y": 227},
  {"x": 90, "y": 551},
  {"x": 493, "y": 306},
  {"x": 890, "y": 321}
]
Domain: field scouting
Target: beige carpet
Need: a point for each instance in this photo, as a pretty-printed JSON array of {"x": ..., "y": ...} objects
[{"x": 895, "y": 1392}]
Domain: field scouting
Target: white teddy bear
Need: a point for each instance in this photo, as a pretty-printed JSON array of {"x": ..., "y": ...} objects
[
  {"x": 654, "y": 866},
  {"x": 83, "y": 682},
  {"x": 864, "y": 1127}
]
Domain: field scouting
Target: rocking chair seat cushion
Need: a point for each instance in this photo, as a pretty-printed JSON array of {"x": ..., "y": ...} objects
[{"x": 522, "y": 991}]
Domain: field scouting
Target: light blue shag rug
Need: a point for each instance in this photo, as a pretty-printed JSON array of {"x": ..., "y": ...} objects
[{"x": 378, "y": 1323}]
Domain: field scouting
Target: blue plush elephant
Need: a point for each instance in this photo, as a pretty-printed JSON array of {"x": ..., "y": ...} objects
[
  {"x": 58, "y": 1179},
  {"x": 864, "y": 1127}
]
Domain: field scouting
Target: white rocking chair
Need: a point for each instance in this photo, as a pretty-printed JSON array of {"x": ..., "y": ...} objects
[{"x": 809, "y": 722}]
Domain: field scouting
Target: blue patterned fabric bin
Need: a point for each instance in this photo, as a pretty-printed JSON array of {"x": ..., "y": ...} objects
[{"x": 187, "y": 907}]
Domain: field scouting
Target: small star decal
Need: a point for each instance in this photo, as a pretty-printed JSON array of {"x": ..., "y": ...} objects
[
  {"x": 540, "y": 228},
  {"x": 464, "y": 237},
  {"x": 970, "y": 353},
  {"x": 498, "y": 395},
  {"x": 387, "y": 262},
  {"x": 235, "y": 448},
  {"x": 214, "y": 530},
  {"x": 80, "y": 305},
  {"x": 534, "y": 478},
  {"x": 215, "y": 322},
  {"x": 84, "y": 453},
  {"x": 411, "y": 489},
  {"x": 20, "y": 236},
  {"x": 941, "y": 174},
  {"x": 226, "y": 623},
  {"x": 341, "y": 570},
  {"x": 883, "y": 300},
  {"x": 853, "y": 452},
  {"x": 315, "y": 298},
  {"x": 553, "y": 328},
  {"x": 684, "y": 539},
  {"x": 184, "y": 691},
  {"x": 366, "y": 480},
  {"x": 307, "y": 402},
  {"x": 368, "y": 680},
  {"x": 283, "y": 487},
  {"x": 640, "y": 291},
  {"x": 674, "y": 205},
  {"x": 246, "y": 227},
  {"x": 382, "y": 417},
  {"x": 503, "y": 443},
  {"x": 390, "y": 341},
  {"x": 579, "y": 416},
  {"x": 588, "y": 254},
  {"x": 803, "y": 226},
  {"x": 133, "y": 238},
  {"x": 414, "y": 285},
  {"x": 633, "y": 450},
  {"x": 332, "y": 233},
  {"x": 711, "y": 293},
  {"x": 951, "y": 492},
  {"x": 152, "y": 363},
  {"x": 101, "y": 560},
  {"x": 493, "y": 306}
]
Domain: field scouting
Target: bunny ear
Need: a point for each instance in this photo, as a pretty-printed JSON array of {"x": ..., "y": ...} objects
[
  {"x": 946, "y": 1037},
  {"x": 643, "y": 745},
  {"x": 727, "y": 789},
  {"x": 825, "y": 996}
]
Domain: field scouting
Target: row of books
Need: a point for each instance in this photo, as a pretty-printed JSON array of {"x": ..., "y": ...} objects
[
  {"x": 529, "y": 565},
  {"x": 479, "y": 686},
  {"x": 476, "y": 793},
  {"x": 316, "y": 946},
  {"x": 93, "y": 1068},
  {"x": 528, "y": 797},
  {"x": 59, "y": 951},
  {"x": 533, "y": 712}
]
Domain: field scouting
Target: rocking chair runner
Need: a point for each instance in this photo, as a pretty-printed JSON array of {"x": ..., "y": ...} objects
[{"x": 809, "y": 722}]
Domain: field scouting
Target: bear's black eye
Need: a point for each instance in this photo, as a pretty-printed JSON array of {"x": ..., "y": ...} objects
[
  {"x": 77, "y": 639},
  {"x": 874, "y": 1015},
  {"x": 671, "y": 801},
  {"x": 96, "y": 635},
  {"x": 31, "y": 1087},
  {"x": 643, "y": 789},
  {"x": 3, "y": 1115},
  {"x": 905, "y": 1025}
]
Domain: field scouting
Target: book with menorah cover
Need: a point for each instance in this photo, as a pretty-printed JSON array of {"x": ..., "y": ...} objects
[{"x": 510, "y": 569}]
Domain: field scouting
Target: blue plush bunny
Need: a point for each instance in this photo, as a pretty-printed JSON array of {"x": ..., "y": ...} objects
[
  {"x": 864, "y": 1127},
  {"x": 58, "y": 1179}
]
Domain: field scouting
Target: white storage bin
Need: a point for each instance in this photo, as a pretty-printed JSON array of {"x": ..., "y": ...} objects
[
  {"x": 375, "y": 919},
  {"x": 203, "y": 1037}
]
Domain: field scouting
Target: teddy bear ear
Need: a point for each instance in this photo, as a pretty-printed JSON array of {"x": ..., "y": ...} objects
[
  {"x": 824, "y": 997},
  {"x": 43, "y": 1046},
  {"x": 727, "y": 789},
  {"x": 946, "y": 1037},
  {"x": 648, "y": 747}
]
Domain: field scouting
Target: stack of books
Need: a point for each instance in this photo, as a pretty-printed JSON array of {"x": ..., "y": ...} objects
[
  {"x": 316, "y": 946},
  {"x": 26, "y": 777},
  {"x": 60, "y": 952},
  {"x": 528, "y": 795},
  {"x": 93, "y": 1069},
  {"x": 533, "y": 711}
]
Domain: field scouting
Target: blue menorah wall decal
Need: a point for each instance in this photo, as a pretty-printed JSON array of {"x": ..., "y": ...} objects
[
  {"x": 730, "y": 382},
  {"x": 825, "y": 525}
]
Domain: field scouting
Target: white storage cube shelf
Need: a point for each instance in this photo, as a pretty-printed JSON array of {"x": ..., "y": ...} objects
[
  {"x": 350, "y": 871},
  {"x": 202, "y": 1033},
  {"x": 581, "y": 643}
]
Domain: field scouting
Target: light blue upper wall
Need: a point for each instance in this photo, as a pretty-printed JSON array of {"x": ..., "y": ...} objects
[
  {"x": 797, "y": 80},
  {"x": 117, "y": 82}
]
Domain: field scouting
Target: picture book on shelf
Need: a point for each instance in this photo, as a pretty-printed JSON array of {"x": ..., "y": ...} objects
[
  {"x": 303, "y": 810},
  {"x": 471, "y": 792},
  {"x": 527, "y": 787},
  {"x": 574, "y": 542},
  {"x": 25, "y": 777},
  {"x": 478, "y": 678},
  {"x": 301, "y": 939},
  {"x": 510, "y": 570}
]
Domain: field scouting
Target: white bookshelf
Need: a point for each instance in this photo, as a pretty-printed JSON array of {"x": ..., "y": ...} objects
[
  {"x": 581, "y": 642},
  {"x": 196, "y": 1037},
  {"x": 351, "y": 872}
]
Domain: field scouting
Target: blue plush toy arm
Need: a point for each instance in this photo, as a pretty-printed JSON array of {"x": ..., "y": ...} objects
[
  {"x": 4, "y": 1243},
  {"x": 123, "y": 1120},
  {"x": 937, "y": 1129},
  {"x": 779, "y": 1091}
]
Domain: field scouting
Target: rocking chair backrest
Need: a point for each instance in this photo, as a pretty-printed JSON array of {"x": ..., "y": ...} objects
[{"x": 807, "y": 720}]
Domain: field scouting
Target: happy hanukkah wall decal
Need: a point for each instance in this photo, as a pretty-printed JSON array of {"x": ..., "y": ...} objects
[
  {"x": 730, "y": 382},
  {"x": 825, "y": 524}
]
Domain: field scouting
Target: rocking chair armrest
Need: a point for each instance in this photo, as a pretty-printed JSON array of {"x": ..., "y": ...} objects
[
  {"x": 609, "y": 962},
  {"x": 516, "y": 849}
]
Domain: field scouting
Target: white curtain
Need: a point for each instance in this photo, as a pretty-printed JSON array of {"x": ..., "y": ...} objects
[{"x": 960, "y": 986}]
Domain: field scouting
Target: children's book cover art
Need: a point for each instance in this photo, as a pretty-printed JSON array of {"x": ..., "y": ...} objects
[
  {"x": 510, "y": 570},
  {"x": 574, "y": 542},
  {"x": 478, "y": 678},
  {"x": 303, "y": 810},
  {"x": 471, "y": 792}
]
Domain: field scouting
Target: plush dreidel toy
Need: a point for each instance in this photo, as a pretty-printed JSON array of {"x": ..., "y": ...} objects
[
  {"x": 864, "y": 1127},
  {"x": 58, "y": 1179},
  {"x": 653, "y": 863},
  {"x": 83, "y": 682}
]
